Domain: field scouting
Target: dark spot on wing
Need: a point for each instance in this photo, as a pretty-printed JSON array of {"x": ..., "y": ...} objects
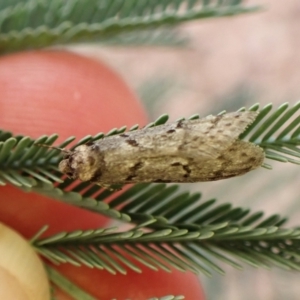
[
  {"x": 162, "y": 180},
  {"x": 252, "y": 159},
  {"x": 97, "y": 176},
  {"x": 124, "y": 135},
  {"x": 187, "y": 169},
  {"x": 133, "y": 170},
  {"x": 228, "y": 124},
  {"x": 91, "y": 160},
  {"x": 137, "y": 166},
  {"x": 214, "y": 123},
  {"x": 231, "y": 149},
  {"x": 171, "y": 130},
  {"x": 179, "y": 124},
  {"x": 130, "y": 178},
  {"x": 133, "y": 143}
]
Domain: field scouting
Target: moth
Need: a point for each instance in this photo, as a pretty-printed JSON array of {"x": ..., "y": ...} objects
[{"x": 204, "y": 149}]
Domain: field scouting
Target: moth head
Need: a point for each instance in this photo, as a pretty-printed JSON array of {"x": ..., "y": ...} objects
[
  {"x": 64, "y": 167},
  {"x": 82, "y": 163}
]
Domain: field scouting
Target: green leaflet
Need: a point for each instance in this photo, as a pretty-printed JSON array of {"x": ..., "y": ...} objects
[{"x": 40, "y": 23}]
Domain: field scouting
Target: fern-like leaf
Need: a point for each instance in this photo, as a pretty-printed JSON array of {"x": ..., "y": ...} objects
[
  {"x": 41, "y": 23},
  {"x": 195, "y": 250},
  {"x": 22, "y": 162}
]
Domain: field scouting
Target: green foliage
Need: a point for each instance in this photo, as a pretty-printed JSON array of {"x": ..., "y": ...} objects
[
  {"x": 41, "y": 23},
  {"x": 193, "y": 247}
]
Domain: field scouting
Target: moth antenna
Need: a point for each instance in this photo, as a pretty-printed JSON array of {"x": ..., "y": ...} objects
[{"x": 52, "y": 147}]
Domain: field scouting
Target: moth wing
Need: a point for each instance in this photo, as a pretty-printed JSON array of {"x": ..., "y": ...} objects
[
  {"x": 203, "y": 139},
  {"x": 185, "y": 151},
  {"x": 211, "y": 136}
]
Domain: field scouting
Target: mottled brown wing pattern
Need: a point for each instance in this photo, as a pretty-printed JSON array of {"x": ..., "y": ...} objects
[
  {"x": 214, "y": 133},
  {"x": 185, "y": 151}
]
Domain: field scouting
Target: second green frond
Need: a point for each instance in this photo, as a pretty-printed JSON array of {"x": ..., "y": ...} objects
[
  {"x": 185, "y": 250},
  {"x": 41, "y": 23}
]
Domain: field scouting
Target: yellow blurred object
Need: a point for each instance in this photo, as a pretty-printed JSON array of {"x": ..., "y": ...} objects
[{"x": 22, "y": 275}]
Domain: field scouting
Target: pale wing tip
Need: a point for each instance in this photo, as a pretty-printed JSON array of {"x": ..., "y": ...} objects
[
  {"x": 238, "y": 121},
  {"x": 249, "y": 117}
]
